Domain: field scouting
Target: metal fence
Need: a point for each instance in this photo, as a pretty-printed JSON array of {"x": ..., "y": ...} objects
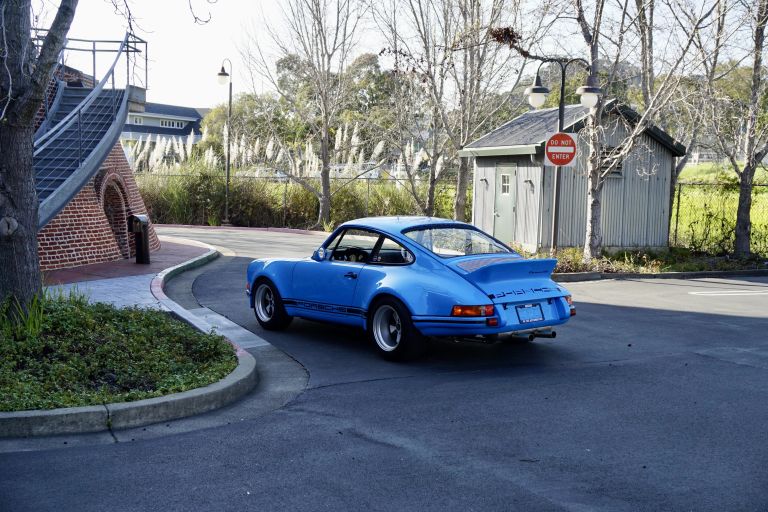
[
  {"x": 704, "y": 217},
  {"x": 258, "y": 201}
]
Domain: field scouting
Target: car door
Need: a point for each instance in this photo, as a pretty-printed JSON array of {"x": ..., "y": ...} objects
[{"x": 325, "y": 289}]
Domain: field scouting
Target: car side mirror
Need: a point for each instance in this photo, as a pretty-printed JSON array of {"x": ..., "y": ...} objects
[{"x": 320, "y": 254}]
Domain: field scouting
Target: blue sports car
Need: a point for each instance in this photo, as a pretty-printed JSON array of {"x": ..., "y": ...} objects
[{"x": 406, "y": 278}]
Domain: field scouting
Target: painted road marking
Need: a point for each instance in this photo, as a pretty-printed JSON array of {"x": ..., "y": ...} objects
[{"x": 730, "y": 293}]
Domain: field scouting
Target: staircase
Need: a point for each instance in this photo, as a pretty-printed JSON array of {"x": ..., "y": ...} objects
[
  {"x": 79, "y": 133},
  {"x": 58, "y": 160}
]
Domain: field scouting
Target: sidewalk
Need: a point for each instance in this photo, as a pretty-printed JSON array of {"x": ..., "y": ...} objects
[{"x": 126, "y": 283}]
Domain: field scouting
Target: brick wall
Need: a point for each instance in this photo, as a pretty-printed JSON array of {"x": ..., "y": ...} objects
[{"x": 92, "y": 227}]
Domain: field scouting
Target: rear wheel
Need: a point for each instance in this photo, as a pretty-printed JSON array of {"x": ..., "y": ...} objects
[
  {"x": 392, "y": 331},
  {"x": 268, "y": 306}
]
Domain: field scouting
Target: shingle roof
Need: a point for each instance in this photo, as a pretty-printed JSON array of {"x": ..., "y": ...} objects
[
  {"x": 174, "y": 110},
  {"x": 162, "y": 130},
  {"x": 532, "y": 128}
]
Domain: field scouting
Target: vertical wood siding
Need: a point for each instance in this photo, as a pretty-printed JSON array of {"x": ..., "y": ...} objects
[{"x": 635, "y": 205}]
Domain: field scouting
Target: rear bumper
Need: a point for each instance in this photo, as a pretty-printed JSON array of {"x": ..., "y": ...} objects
[{"x": 556, "y": 311}]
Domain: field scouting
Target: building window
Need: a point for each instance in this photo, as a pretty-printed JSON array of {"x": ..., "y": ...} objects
[
  {"x": 618, "y": 171},
  {"x": 137, "y": 120},
  {"x": 505, "y": 184},
  {"x": 165, "y": 123}
]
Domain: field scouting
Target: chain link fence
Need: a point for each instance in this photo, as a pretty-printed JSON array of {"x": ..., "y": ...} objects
[
  {"x": 198, "y": 198},
  {"x": 704, "y": 217}
]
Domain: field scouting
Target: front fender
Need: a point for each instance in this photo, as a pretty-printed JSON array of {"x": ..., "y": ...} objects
[{"x": 279, "y": 271}]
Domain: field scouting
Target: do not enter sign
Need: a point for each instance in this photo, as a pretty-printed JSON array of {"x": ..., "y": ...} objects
[{"x": 560, "y": 149}]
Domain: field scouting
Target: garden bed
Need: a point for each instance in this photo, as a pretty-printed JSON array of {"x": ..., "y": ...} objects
[{"x": 69, "y": 353}]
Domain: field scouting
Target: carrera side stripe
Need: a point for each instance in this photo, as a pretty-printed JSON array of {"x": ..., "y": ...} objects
[{"x": 323, "y": 307}]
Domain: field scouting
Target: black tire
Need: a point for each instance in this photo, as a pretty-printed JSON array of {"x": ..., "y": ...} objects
[
  {"x": 392, "y": 332},
  {"x": 268, "y": 306}
]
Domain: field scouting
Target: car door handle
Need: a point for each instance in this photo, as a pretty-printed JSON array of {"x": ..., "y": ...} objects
[{"x": 351, "y": 275}]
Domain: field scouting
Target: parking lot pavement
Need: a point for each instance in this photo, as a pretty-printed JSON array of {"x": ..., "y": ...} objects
[{"x": 651, "y": 398}]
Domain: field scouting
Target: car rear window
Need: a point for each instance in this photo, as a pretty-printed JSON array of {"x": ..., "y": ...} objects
[{"x": 449, "y": 242}]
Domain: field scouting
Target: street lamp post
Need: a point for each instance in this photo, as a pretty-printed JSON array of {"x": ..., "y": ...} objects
[
  {"x": 537, "y": 95},
  {"x": 223, "y": 77}
]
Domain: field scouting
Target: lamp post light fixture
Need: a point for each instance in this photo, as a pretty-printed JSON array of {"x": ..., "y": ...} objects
[
  {"x": 537, "y": 95},
  {"x": 223, "y": 77}
]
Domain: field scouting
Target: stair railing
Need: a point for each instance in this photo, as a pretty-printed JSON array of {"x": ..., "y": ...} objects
[{"x": 87, "y": 115}]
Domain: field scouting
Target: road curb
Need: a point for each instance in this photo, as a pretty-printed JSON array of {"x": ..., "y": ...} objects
[
  {"x": 98, "y": 418},
  {"x": 573, "y": 277}
]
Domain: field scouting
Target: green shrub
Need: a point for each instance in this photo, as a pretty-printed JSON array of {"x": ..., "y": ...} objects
[{"x": 88, "y": 354}]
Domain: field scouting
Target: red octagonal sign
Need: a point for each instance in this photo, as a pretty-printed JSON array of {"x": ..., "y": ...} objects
[{"x": 560, "y": 149}]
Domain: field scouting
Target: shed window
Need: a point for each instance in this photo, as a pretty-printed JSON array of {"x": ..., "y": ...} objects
[
  {"x": 505, "y": 184},
  {"x": 137, "y": 120},
  {"x": 171, "y": 124}
]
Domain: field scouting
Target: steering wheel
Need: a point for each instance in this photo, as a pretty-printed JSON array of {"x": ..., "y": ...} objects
[{"x": 355, "y": 254}]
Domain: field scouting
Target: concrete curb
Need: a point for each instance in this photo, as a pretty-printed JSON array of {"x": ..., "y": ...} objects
[
  {"x": 97, "y": 418},
  {"x": 596, "y": 276}
]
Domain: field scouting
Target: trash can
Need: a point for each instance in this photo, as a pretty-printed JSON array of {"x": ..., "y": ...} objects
[{"x": 139, "y": 226}]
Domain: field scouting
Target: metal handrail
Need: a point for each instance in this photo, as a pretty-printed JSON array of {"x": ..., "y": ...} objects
[{"x": 65, "y": 123}]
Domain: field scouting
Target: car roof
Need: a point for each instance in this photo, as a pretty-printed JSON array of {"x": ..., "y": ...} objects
[{"x": 398, "y": 224}]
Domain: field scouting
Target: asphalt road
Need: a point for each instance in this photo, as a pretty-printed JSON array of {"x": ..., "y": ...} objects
[{"x": 652, "y": 398}]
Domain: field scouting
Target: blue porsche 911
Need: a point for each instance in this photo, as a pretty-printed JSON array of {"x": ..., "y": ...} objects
[{"x": 406, "y": 278}]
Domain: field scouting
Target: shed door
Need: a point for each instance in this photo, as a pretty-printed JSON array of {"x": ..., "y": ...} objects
[{"x": 504, "y": 203}]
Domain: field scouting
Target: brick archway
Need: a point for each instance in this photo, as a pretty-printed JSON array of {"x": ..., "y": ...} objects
[{"x": 116, "y": 211}]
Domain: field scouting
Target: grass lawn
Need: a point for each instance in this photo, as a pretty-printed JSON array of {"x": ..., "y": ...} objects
[
  {"x": 643, "y": 262},
  {"x": 69, "y": 353},
  {"x": 715, "y": 172},
  {"x": 707, "y": 218}
]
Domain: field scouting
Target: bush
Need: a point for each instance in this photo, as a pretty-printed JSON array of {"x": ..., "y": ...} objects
[
  {"x": 193, "y": 193},
  {"x": 89, "y": 354}
]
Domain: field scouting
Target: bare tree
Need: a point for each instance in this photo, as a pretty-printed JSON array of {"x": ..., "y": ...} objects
[
  {"x": 413, "y": 123},
  {"x": 449, "y": 46},
  {"x": 322, "y": 34},
  {"x": 749, "y": 112},
  {"x": 25, "y": 71},
  {"x": 610, "y": 33}
]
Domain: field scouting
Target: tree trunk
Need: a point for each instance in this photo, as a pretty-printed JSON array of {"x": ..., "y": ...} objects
[
  {"x": 460, "y": 201},
  {"x": 324, "y": 212},
  {"x": 430, "y": 209},
  {"x": 20, "y": 277},
  {"x": 743, "y": 220},
  {"x": 594, "y": 239}
]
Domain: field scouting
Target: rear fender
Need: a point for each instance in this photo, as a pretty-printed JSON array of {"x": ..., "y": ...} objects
[{"x": 431, "y": 293}]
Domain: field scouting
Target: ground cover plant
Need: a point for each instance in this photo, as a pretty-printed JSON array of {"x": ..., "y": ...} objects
[
  {"x": 65, "y": 352},
  {"x": 649, "y": 262}
]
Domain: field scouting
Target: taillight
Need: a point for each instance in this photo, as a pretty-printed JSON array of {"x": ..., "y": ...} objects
[
  {"x": 486, "y": 310},
  {"x": 569, "y": 300},
  {"x": 247, "y": 287}
]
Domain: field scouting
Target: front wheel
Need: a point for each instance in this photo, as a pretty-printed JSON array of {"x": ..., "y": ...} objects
[
  {"x": 392, "y": 331},
  {"x": 268, "y": 306}
]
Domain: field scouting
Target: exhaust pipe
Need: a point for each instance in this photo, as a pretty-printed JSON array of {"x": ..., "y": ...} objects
[{"x": 550, "y": 334}]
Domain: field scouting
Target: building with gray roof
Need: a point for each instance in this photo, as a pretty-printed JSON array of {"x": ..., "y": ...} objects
[{"x": 513, "y": 188}]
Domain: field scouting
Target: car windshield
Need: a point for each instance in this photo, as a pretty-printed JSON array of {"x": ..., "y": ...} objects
[{"x": 449, "y": 242}]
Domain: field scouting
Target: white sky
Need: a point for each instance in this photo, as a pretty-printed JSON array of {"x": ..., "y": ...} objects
[{"x": 184, "y": 57}]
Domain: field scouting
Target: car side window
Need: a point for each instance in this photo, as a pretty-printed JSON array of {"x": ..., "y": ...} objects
[
  {"x": 356, "y": 245},
  {"x": 392, "y": 253}
]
